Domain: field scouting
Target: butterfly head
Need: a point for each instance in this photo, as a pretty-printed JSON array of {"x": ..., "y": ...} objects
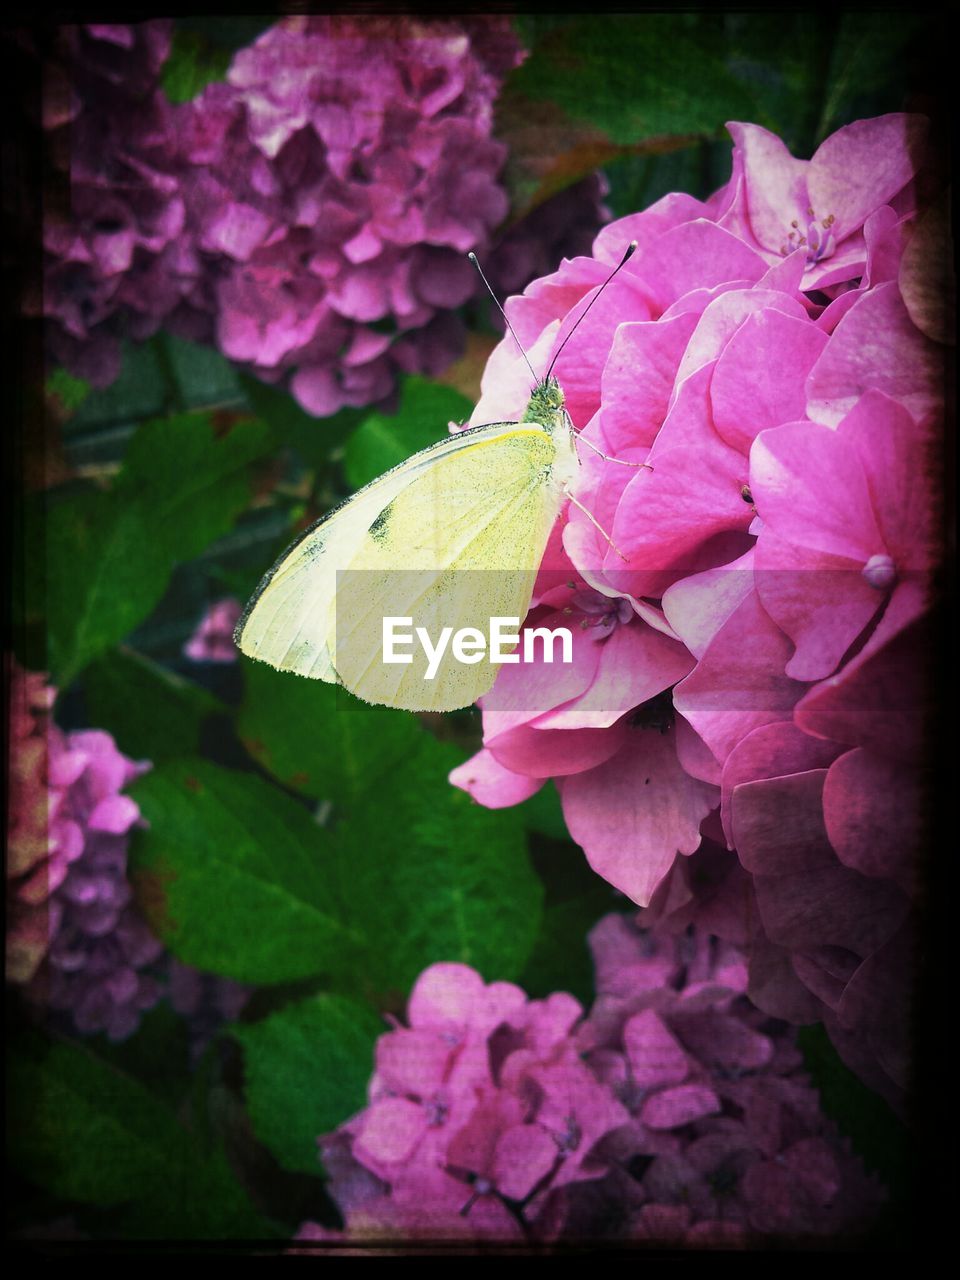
[{"x": 546, "y": 405}]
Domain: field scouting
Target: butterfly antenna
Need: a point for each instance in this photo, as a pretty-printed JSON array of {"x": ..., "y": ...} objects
[
  {"x": 630, "y": 251},
  {"x": 473, "y": 259}
]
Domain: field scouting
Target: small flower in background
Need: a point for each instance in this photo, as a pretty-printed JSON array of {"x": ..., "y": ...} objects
[
  {"x": 334, "y": 185},
  {"x": 79, "y": 945},
  {"x": 76, "y": 943},
  {"x": 213, "y": 639},
  {"x": 114, "y": 216},
  {"x": 761, "y": 647},
  {"x": 674, "y": 1110},
  {"x": 35, "y": 863},
  {"x": 310, "y": 215}
]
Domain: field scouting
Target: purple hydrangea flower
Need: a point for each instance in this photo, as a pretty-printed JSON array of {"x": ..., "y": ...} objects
[
  {"x": 213, "y": 639},
  {"x": 675, "y": 1110},
  {"x": 115, "y": 206},
  {"x": 333, "y": 186}
]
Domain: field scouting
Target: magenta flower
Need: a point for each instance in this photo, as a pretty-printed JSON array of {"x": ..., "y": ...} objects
[
  {"x": 75, "y": 940},
  {"x": 108, "y": 133},
  {"x": 764, "y": 575},
  {"x": 333, "y": 187},
  {"x": 821, "y": 205},
  {"x": 213, "y": 639},
  {"x": 675, "y": 1110}
]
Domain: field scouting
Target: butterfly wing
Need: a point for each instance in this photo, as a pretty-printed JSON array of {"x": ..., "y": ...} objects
[{"x": 451, "y": 537}]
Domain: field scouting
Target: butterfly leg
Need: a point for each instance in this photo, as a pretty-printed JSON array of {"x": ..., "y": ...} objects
[
  {"x": 606, "y": 457},
  {"x": 599, "y": 527}
]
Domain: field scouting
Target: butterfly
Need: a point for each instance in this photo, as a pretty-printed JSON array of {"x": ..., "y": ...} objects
[{"x": 451, "y": 538}]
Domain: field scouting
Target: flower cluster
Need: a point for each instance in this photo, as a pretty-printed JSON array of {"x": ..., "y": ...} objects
[
  {"x": 334, "y": 185},
  {"x": 751, "y": 629},
  {"x": 75, "y": 939},
  {"x": 213, "y": 639},
  {"x": 675, "y": 1110},
  {"x": 76, "y": 942},
  {"x": 114, "y": 217}
]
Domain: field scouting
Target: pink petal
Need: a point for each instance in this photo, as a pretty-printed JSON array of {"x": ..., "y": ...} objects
[
  {"x": 632, "y": 814},
  {"x": 524, "y": 691},
  {"x": 698, "y": 606},
  {"x": 894, "y": 456},
  {"x": 645, "y": 227},
  {"x": 769, "y": 752},
  {"x": 829, "y": 906},
  {"x": 724, "y": 316},
  {"x": 555, "y": 753},
  {"x": 638, "y": 379},
  {"x": 778, "y": 824},
  {"x": 679, "y": 1106},
  {"x": 809, "y": 488},
  {"x": 490, "y": 784},
  {"x": 873, "y": 809},
  {"x": 656, "y": 1058},
  {"x": 114, "y": 814},
  {"x": 412, "y": 1061},
  {"x": 695, "y": 255},
  {"x": 876, "y": 345},
  {"x": 882, "y": 697},
  {"x": 636, "y": 663},
  {"x": 444, "y": 995},
  {"x": 667, "y": 514},
  {"x": 776, "y": 186},
  {"x": 739, "y": 683},
  {"x": 390, "y": 1129},
  {"x": 760, "y": 375},
  {"x": 821, "y": 601},
  {"x": 524, "y": 1155},
  {"x": 863, "y": 165}
]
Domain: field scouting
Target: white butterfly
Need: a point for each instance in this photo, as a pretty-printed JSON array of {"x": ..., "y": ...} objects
[{"x": 453, "y": 537}]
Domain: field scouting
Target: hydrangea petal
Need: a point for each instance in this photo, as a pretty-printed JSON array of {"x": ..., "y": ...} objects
[{"x": 632, "y": 814}]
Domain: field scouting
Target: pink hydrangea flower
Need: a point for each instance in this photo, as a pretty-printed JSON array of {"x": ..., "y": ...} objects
[
  {"x": 77, "y": 941},
  {"x": 767, "y": 568},
  {"x": 674, "y": 1111},
  {"x": 107, "y": 129},
  {"x": 334, "y": 185},
  {"x": 213, "y": 639}
]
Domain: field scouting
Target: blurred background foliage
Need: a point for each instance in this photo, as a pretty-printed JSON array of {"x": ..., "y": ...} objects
[{"x": 297, "y": 840}]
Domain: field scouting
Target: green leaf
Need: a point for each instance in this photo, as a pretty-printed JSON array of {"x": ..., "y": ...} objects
[
  {"x": 542, "y": 812},
  {"x": 433, "y": 877},
  {"x": 317, "y": 738},
  {"x": 109, "y": 554},
  {"x": 306, "y": 1069},
  {"x": 70, "y": 391},
  {"x": 105, "y": 572},
  {"x": 84, "y": 1131},
  {"x": 191, "y": 482},
  {"x": 315, "y": 439},
  {"x": 140, "y": 392},
  {"x": 152, "y": 713},
  {"x": 157, "y": 1055},
  {"x": 235, "y": 877},
  {"x": 875, "y": 1132},
  {"x": 204, "y": 377},
  {"x": 192, "y": 65},
  {"x": 635, "y": 76},
  {"x": 872, "y": 61},
  {"x": 384, "y": 440}
]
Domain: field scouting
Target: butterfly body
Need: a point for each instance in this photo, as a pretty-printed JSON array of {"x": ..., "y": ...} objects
[{"x": 452, "y": 537}]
